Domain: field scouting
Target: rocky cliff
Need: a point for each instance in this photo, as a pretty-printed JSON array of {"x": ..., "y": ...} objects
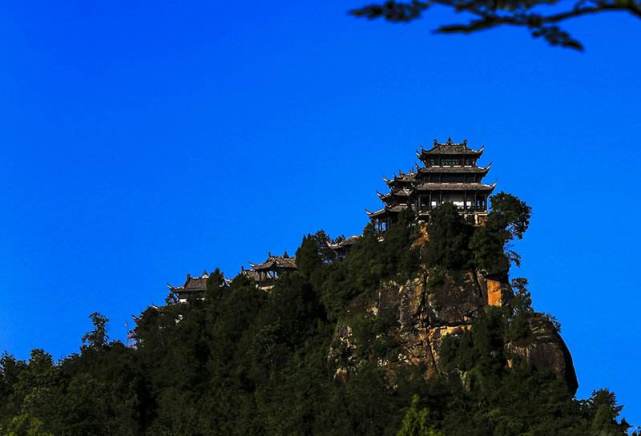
[{"x": 419, "y": 314}]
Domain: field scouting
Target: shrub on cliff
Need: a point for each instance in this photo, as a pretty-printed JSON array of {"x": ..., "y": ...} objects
[{"x": 448, "y": 246}]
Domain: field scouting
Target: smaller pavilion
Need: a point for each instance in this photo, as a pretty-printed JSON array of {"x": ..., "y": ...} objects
[
  {"x": 266, "y": 273},
  {"x": 193, "y": 289},
  {"x": 341, "y": 247}
]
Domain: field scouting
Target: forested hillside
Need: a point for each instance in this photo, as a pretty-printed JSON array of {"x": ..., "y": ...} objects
[{"x": 334, "y": 348}]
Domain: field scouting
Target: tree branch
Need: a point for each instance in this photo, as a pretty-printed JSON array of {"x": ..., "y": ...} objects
[{"x": 495, "y": 13}]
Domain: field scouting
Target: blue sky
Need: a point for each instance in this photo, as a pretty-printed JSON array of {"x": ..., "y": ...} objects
[{"x": 142, "y": 141}]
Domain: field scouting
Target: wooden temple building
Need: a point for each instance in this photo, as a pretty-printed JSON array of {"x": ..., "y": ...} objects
[
  {"x": 194, "y": 288},
  {"x": 266, "y": 273},
  {"x": 342, "y": 246},
  {"x": 450, "y": 173}
]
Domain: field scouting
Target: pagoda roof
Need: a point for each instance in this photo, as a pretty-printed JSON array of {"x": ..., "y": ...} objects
[
  {"x": 449, "y": 148},
  {"x": 401, "y": 178},
  {"x": 403, "y": 192},
  {"x": 282, "y": 262},
  {"x": 383, "y": 211},
  {"x": 456, "y": 187},
  {"x": 454, "y": 170}
]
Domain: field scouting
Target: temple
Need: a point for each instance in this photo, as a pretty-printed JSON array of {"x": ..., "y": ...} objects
[
  {"x": 450, "y": 174},
  {"x": 193, "y": 289},
  {"x": 342, "y": 246},
  {"x": 265, "y": 274}
]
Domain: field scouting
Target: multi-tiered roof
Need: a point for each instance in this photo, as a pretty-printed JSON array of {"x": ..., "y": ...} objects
[{"x": 450, "y": 174}]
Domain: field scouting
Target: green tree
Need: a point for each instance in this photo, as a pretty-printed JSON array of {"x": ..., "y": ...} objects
[
  {"x": 215, "y": 285},
  {"x": 415, "y": 421},
  {"x": 449, "y": 239},
  {"x": 605, "y": 411},
  {"x": 308, "y": 256},
  {"x": 25, "y": 425},
  {"x": 510, "y": 213},
  {"x": 97, "y": 338},
  {"x": 490, "y": 243}
]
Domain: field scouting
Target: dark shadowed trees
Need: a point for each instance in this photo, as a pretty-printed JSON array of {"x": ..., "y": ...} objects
[{"x": 245, "y": 361}]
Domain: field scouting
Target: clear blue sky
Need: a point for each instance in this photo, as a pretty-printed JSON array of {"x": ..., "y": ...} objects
[{"x": 145, "y": 140}]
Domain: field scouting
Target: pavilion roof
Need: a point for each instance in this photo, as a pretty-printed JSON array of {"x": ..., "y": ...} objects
[
  {"x": 280, "y": 262},
  {"x": 394, "y": 209},
  {"x": 402, "y": 178},
  {"x": 449, "y": 148},
  {"x": 403, "y": 192}
]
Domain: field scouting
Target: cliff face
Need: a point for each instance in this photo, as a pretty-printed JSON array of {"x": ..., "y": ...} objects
[
  {"x": 546, "y": 350},
  {"x": 426, "y": 309}
]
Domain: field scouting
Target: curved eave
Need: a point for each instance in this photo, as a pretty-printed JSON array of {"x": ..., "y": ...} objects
[
  {"x": 400, "y": 195},
  {"x": 384, "y": 196},
  {"x": 386, "y": 210},
  {"x": 376, "y": 213},
  {"x": 262, "y": 266},
  {"x": 276, "y": 263},
  {"x": 402, "y": 178}
]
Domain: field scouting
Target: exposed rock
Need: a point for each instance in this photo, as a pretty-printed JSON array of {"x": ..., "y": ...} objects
[
  {"x": 544, "y": 349},
  {"x": 494, "y": 293},
  {"x": 342, "y": 352},
  {"x": 427, "y": 309}
]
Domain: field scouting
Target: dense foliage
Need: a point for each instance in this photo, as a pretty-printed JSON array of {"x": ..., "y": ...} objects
[{"x": 244, "y": 361}]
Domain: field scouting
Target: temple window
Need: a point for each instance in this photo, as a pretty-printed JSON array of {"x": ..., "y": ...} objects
[{"x": 450, "y": 162}]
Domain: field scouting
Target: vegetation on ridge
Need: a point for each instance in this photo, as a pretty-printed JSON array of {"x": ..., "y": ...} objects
[{"x": 243, "y": 361}]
